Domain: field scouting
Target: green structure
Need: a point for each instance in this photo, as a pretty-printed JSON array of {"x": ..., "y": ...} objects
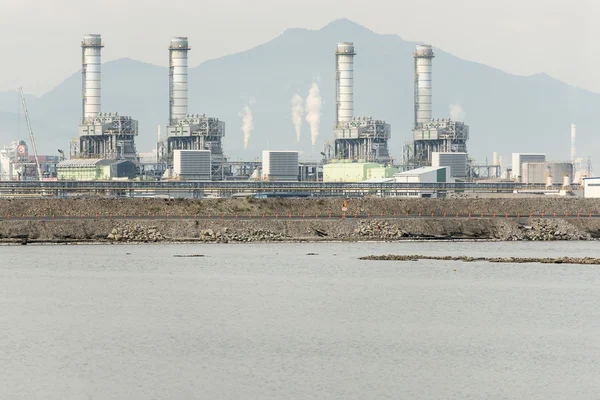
[
  {"x": 347, "y": 171},
  {"x": 95, "y": 169}
]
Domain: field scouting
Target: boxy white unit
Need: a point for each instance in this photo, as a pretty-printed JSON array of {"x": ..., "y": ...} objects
[
  {"x": 456, "y": 161},
  {"x": 534, "y": 172},
  {"x": 280, "y": 165},
  {"x": 192, "y": 165},
  {"x": 591, "y": 188},
  {"x": 518, "y": 159}
]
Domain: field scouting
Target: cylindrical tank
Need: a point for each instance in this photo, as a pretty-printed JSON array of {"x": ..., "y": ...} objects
[
  {"x": 91, "y": 48},
  {"x": 560, "y": 170},
  {"x": 344, "y": 57},
  {"x": 178, "y": 79},
  {"x": 566, "y": 181},
  {"x": 423, "y": 84}
]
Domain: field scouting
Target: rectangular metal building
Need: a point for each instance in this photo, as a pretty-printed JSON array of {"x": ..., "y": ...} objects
[
  {"x": 192, "y": 165},
  {"x": 280, "y": 165},
  {"x": 534, "y": 172},
  {"x": 456, "y": 161},
  {"x": 518, "y": 159},
  {"x": 591, "y": 187}
]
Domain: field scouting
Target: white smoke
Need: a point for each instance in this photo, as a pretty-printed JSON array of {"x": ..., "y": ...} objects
[
  {"x": 297, "y": 114},
  {"x": 247, "y": 123},
  {"x": 457, "y": 113},
  {"x": 313, "y": 112}
]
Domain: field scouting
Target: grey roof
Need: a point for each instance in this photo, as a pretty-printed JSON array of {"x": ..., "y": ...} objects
[{"x": 79, "y": 163}]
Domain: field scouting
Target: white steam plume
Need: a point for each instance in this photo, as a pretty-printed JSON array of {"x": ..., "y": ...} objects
[
  {"x": 247, "y": 124},
  {"x": 297, "y": 114},
  {"x": 313, "y": 112},
  {"x": 456, "y": 112}
]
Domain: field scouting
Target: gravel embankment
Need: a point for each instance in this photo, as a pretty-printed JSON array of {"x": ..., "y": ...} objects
[
  {"x": 350, "y": 229},
  {"x": 375, "y": 206}
]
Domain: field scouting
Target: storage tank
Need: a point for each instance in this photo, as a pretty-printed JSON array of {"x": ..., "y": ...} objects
[
  {"x": 192, "y": 164},
  {"x": 560, "y": 170},
  {"x": 280, "y": 165}
]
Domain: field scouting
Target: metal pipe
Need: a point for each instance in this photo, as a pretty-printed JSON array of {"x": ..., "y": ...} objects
[
  {"x": 344, "y": 82},
  {"x": 178, "y": 79},
  {"x": 91, "y": 48},
  {"x": 423, "y": 86}
]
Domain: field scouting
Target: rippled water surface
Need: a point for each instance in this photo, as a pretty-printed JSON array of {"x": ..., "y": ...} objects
[{"x": 266, "y": 321}]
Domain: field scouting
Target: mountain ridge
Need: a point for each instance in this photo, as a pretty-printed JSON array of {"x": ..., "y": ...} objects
[{"x": 506, "y": 112}]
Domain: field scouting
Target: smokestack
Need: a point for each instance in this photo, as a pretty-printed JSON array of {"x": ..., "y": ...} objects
[
  {"x": 344, "y": 82},
  {"x": 178, "y": 80},
  {"x": 423, "y": 89},
  {"x": 91, "y": 47},
  {"x": 573, "y": 137}
]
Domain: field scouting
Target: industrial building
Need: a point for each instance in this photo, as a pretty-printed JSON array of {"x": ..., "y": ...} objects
[
  {"x": 190, "y": 131},
  {"x": 457, "y": 162},
  {"x": 549, "y": 173},
  {"x": 591, "y": 187},
  {"x": 348, "y": 171},
  {"x": 356, "y": 138},
  {"x": 95, "y": 169},
  {"x": 518, "y": 159},
  {"x": 16, "y": 164},
  {"x": 101, "y": 135},
  {"x": 431, "y": 135},
  {"x": 280, "y": 165},
  {"x": 192, "y": 165},
  {"x": 424, "y": 175}
]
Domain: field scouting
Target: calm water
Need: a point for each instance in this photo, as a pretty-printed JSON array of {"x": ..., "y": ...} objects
[{"x": 271, "y": 322}]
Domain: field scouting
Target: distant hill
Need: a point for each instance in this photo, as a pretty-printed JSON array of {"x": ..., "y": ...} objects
[{"x": 506, "y": 112}]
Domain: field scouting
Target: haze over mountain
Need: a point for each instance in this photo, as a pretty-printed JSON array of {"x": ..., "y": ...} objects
[{"x": 506, "y": 112}]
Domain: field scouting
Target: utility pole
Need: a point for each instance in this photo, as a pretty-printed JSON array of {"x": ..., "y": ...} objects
[{"x": 37, "y": 161}]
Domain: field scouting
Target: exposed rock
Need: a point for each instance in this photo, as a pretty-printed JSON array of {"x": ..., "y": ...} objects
[{"x": 512, "y": 260}]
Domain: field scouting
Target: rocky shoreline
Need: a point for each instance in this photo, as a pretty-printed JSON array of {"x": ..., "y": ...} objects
[
  {"x": 512, "y": 260},
  {"x": 376, "y": 227},
  {"x": 253, "y": 231}
]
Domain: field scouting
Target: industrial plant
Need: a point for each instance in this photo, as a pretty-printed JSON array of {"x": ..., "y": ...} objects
[
  {"x": 193, "y": 150},
  {"x": 105, "y": 135}
]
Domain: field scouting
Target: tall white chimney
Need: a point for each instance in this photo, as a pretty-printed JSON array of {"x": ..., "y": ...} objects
[
  {"x": 573, "y": 137},
  {"x": 91, "y": 48},
  {"x": 344, "y": 82},
  {"x": 423, "y": 86},
  {"x": 178, "y": 79}
]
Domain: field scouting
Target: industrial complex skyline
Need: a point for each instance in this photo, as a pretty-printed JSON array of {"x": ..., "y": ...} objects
[{"x": 505, "y": 32}]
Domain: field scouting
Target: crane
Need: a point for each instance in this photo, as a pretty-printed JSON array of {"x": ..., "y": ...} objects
[{"x": 37, "y": 161}]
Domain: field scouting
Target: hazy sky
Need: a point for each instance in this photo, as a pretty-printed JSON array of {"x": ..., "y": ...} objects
[{"x": 41, "y": 38}]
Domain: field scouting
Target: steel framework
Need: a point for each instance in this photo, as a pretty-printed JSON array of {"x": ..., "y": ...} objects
[{"x": 199, "y": 132}]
